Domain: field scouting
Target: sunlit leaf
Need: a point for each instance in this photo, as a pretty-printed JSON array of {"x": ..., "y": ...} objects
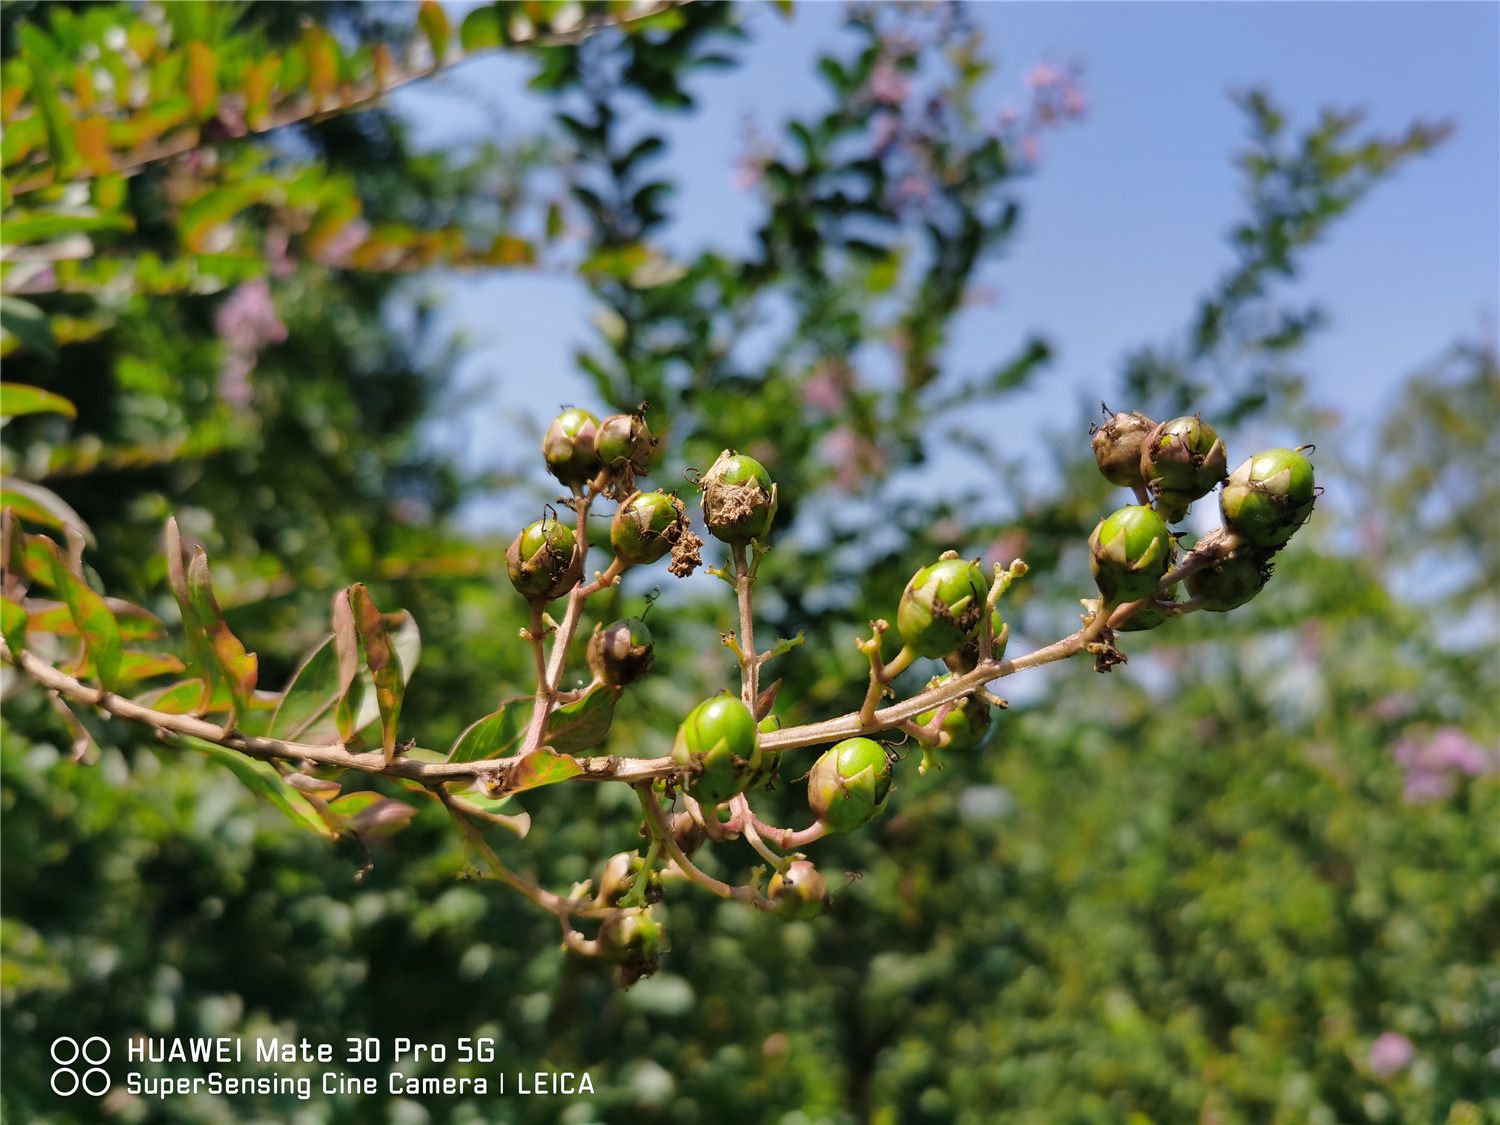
[
  {"x": 434, "y": 23},
  {"x": 237, "y": 666},
  {"x": 495, "y": 735},
  {"x": 17, "y": 399},
  {"x": 28, "y": 324},
  {"x": 92, "y": 618},
  {"x": 480, "y": 29},
  {"x": 36, "y": 504},
  {"x": 543, "y": 766},
  {"x": 311, "y": 694},
  {"x": 382, "y": 661},
  {"x": 12, "y": 624},
  {"x": 263, "y": 781},
  {"x": 136, "y": 624},
  {"x": 144, "y": 665}
]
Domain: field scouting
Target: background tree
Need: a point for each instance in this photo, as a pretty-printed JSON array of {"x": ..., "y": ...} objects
[{"x": 1208, "y": 902}]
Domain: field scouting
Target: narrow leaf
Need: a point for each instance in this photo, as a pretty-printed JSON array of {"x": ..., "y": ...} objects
[
  {"x": 346, "y": 652},
  {"x": 91, "y": 617},
  {"x": 17, "y": 399},
  {"x": 175, "y": 699},
  {"x": 434, "y": 23},
  {"x": 494, "y": 735},
  {"x": 382, "y": 661},
  {"x": 136, "y": 624},
  {"x": 480, "y": 29},
  {"x": 541, "y": 767},
  {"x": 83, "y": 739},
  {"x": 237, "y": 666},
  {"x": 41, "y": 505},
  {"x": 264, "y": 782},
  {"x": 12, "y": 625},
  {"x": 144, "y": 665},
  {"x": 200, "y": 656}
]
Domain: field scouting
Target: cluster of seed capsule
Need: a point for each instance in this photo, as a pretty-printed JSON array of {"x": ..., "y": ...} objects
[{"x": 1262, "y": 503}]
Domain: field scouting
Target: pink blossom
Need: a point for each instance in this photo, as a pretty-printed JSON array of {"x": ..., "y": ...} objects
[
  {"x": 824, "y": 391},
  {"x": 888, "y": 84},
  {"x": 350, "y": 236},
  {"x": 1390, "y": 1053},
  {"x": 1451, "y": 749},
  {"x": 911, "y": 190},
  {"x": 246, "y": 322},
  {"x": 1431, "y": 763},
  {"x": 748, "y": 172},
  {"x": 854, "y": 458},
  {"x": 1031, "y": 148},
  {"x": 886, "y": 127}
]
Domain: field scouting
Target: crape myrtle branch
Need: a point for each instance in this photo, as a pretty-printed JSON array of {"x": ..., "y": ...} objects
[{"x": 729, "y": 746}]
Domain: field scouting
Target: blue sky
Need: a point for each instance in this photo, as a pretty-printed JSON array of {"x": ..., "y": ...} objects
[{"x": 1123, "y": 226}]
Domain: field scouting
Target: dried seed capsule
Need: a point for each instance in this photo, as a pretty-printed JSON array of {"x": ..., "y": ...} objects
[
  {"x": 1117, "y": 448},
  {"x": 849, "y": 784},
  {"x": 739, "y": 500},
  {"x": 800, "y": 891},
  {"x": 967, "y": 722},
  {"x": 942, "y": 606},
  {"x": 619, "y": 876},
  {"x": 541, "y": 560},
  {"x": 1268, "y": 497},
  {"x": 569, "y": 447},
  {"x": 646, "y": 526},
  {"x": 1233, "y": 581},
  {"x": 1182, "y": 460},
  {"x": 631, "y": 937},
  {"x": 621, "y": 653},
  {"x": 1129, "y": 553},
  {"x": 624, "y": 440},
  {"x": 718, "y": 741}
]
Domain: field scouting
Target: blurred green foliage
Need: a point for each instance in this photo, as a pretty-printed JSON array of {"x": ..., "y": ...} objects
[{"x": 1198, "y": 889}]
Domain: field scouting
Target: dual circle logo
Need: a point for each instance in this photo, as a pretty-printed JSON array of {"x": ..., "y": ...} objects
[{"x": 92, "y": 1053}]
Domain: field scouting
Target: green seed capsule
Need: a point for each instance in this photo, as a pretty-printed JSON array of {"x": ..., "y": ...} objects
[
  {"x": 739, "y": 500},
  {"x": 1144, "y": 619},
  {"x": 619, "y": 876},
  {"x": 1232, "y": 582},
  {"x": 621, "y": 653},
  {"x": 1182, "y": 460},
  {"x": 967, "y": 723},
  {"x": 718, "y": 741},
  {"x": 800, "y": 891},
  {"x": 1268, "y": 497},
  {"x": 569, "y": 447},
  {"x": 631, "y": 937},
  {"x": 1129, "y": 553},
  {"x": 942, "y": 606},
  {"x": 624, "y": 441},
  {"x": 849, "y": 784},
  {"x": 645, "y": 526},
  {"x": 1117, "y": 448},
  {"x": 541, "y": 560}
]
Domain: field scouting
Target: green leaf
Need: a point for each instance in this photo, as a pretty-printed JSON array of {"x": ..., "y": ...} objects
[
  {"x": 313, "y": 690},
  {"x": 41, "y": 505},
  {"x": 144, "y": 665},
  {"x": 434, "y": 24},
  {"x": 136, "y": 624},
  {"x": 541, "y": 767},
  {"x": 584, "y": 724},
  {"x": 346, "y": 652},
  {"x": 237, "y": 666},
  {"x": 29, "y": 325},
  {"x": 92, "y": 618},
  {"x": 200, "y": 655},
  {"x": 263, "y": 781},
  {"x": 41, "y": 226},
  {"x": 175, "y": 699},
  {"x": 12, "y": 624},
  {"x": 17, "y": 399},
  {"x": 494, "y": 735},
  {"x": 480, "y": 29},
  {"x": 382, "y": 661}
]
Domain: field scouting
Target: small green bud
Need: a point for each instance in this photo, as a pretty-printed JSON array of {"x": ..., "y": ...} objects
[
  {"x": 621, "y": 653},
  {"x": 849, "y": 784},
  {"x": 569, "y": 446},
  {"x": 646, "y": 526},
  {"x": 632, "y": 938},
  {"x": 1117, "y": 448},
  {"x": 942, "y": 606},
  {"x": 619, "y": 876},
  {"x": 1233, "y": 581},
  {"x": 1182, "y": 460},
  {"x": 541, "y": 560},
  {"x": 800, "y": 891},
  {"x": 624, "y": 441},
  {"x": 739, "y": 500},
  {"x": 1143, "y": 619},
  {"x": 718, "y": 740},
  {"x": 1129, "y": 553},
  {"x": 1268, "y": 497},
  {"x": 770, "y": 760},
  {"x": 967, "y": 722}
]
